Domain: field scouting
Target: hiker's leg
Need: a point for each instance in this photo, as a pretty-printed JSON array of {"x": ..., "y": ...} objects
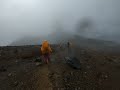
[
  {"x": 49, "y": 57},
  {"x": 45, "y": 58}
]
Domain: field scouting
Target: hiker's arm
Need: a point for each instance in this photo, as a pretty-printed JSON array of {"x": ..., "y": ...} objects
[{"x": 50, "y": 49}]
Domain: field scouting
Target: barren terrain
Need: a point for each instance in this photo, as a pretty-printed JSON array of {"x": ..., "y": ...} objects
[{"x": 20, "y": 71}]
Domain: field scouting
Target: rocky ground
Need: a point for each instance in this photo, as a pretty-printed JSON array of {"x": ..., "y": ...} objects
[{"x": 19, "y": 70}]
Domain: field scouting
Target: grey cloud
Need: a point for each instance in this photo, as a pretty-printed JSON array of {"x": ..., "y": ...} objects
[{"x": 35, "y": 18}]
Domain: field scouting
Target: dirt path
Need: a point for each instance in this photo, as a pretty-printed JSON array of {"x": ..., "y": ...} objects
[
  {"x": 48, "y": 76},
  {"x": 42, "y": 81}
]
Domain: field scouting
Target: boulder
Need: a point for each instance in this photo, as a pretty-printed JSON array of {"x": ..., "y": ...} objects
[{"x": 73, "y": 62}]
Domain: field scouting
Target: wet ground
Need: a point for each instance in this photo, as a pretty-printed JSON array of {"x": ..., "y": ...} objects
[{"x": 20, "y": 71}]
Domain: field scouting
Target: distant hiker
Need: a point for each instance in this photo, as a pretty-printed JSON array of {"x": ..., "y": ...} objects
[
  {"x": 60, "y": 45},
  {"x": 46, "y": 50},
  {"x": 69, "y": 45}
]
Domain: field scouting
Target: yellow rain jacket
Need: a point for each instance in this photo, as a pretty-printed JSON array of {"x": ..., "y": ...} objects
[{"x": 45, "y": 48}]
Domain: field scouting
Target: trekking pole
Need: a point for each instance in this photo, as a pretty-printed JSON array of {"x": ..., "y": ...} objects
[{"x": 71, "y": 52}]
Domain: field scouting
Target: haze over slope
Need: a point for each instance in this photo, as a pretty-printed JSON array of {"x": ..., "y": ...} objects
[{"x": 26, "y": 20}]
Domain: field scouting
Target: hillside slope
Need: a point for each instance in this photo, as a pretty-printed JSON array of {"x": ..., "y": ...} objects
[{"x": 19, "y": 71}]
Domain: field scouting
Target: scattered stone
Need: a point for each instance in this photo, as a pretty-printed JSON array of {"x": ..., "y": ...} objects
[
  {"x": 102, "y": 75},
  {"x": 71, "y": 73},
  {"x": 109, "y": 59},
  {"x": 73, "y": 62},
  {"x": 38, "y": 59},
  {"x": 65, "y": 79},
  {"x": 88, "y": 67},
  {"x": 16, "y": 61},
  {"x": 38, "y": 64},
  {"x": 16, "y": 83},
  {"x": 68, "y": 84},
  {"x": 3, "y": 69},
  {"x": 106, "y": 76},
  {"x": 10, "y": 74},
  {"x": 22, "y": 83},
  {"x": 85, "y": 72},
  {"x": 51, "y": 75},
  {"x": 117, "y": 60}
]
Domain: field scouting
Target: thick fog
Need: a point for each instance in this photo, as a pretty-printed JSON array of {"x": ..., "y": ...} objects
[{"x": 44, "y": 19}]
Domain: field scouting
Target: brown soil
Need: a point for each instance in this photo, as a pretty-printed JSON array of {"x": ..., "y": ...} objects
[{"x": 18, "y": 71}]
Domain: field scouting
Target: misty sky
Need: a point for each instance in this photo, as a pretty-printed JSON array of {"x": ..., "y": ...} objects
[{"x": 19, "y": 18}]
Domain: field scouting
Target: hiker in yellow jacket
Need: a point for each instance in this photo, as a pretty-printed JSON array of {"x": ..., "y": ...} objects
[{"x": 46, "y": 50}]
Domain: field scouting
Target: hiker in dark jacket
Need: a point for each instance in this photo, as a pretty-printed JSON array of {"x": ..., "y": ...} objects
[{"x": 69, "y": 47}]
